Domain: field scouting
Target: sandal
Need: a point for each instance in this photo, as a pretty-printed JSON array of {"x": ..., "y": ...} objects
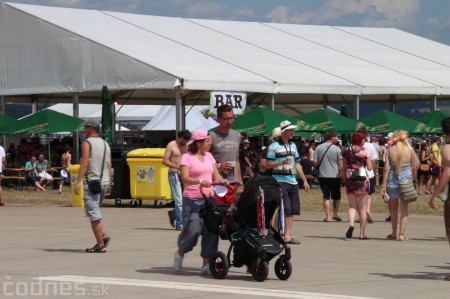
[
  {"x": 402, "y": 237},
  {"x": 349, "y": 233},
  {"x": 391, "y": 237},
  {"x": 96, "y": 249},
  {"x": 337, "y": 218},
  {"x": 293, "y": 242}
]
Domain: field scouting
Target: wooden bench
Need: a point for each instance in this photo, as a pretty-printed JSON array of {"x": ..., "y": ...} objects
[{"x": 14, "y": 177}]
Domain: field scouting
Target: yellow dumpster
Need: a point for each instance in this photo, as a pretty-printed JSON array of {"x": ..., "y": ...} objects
[
  {"x": 77, "y": 200},
  {"x": 148, "y": 176}
]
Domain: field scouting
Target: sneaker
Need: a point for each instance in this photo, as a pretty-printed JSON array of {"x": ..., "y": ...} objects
[
  {"x": 178, "y": 261},
  {"x": 205, "y": 270}
]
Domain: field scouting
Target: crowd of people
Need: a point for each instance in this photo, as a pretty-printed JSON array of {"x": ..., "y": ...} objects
[
  {"x": 405, "y": 167},
  {"x": 393, "y": 161}
]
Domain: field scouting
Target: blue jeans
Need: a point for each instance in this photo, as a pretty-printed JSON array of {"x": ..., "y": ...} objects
[{"x": 175, "y": 187}]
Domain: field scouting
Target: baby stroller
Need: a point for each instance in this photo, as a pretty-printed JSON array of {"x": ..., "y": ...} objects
[{"x": 253, "y": 241}]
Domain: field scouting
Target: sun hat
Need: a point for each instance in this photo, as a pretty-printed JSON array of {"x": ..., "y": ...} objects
[
  {"x": 390, "y": 135},
  {"x": 92, "y": 122},
  {"x": 286, "y": 125},
  {"x": 198, "y": 135},
  {"x": 276, "y": 132},
  {"x": 246, "y": 141}
]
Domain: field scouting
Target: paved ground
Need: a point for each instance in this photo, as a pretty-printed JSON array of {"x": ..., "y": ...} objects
[{"x": 49, "y": 242}]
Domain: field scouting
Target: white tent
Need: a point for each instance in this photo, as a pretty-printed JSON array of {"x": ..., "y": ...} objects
[
  {"x": 123, "y": 113},
  {"x": 75, "y": 50},
  {"x": 62, "y": 53},
  {"x": 164, "y": 120},
  {"x": 208, "y": 124}
]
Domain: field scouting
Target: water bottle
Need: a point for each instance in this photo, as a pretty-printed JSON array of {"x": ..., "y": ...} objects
[
  {"x": 443, "y": 196},
  {"x": 385, "y": 198}
]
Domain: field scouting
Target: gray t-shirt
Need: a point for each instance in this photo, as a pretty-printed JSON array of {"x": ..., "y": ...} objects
[
  {"x": 99, "y": 149},
  {"x": 224, "y": 148},
  {"x": 329, "y": 168}
]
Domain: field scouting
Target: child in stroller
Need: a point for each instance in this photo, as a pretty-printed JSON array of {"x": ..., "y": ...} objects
[{"x": 253, "y": 241}]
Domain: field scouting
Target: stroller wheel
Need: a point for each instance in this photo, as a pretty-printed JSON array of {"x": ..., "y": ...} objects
[
  {"x": 283, "y": 268},
  {"x": 260, "y": 270},
  {"x": 219, "y": 265}
]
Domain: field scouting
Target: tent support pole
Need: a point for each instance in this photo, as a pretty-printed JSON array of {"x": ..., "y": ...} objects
[
  {"x": 2, "y": 107},
  {"x": 433, "y": 103},
  {"x": 178, "y": 110},
  {"x": 76, "y": 135},
  {"x": 392, "y": 103},
  {"x": 356, "y": 107},
  {"x": 272, "y": 102},
  {"x": 34, "y": 103},
  {"x": 324, "y": 101}
]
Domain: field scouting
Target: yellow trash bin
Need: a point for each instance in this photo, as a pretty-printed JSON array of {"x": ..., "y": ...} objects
[
  {"x": 148, "y": 176},
  {"x": 77, "y": 199}
]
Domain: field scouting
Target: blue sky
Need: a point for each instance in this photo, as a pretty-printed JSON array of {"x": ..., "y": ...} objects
[{"x": 427, "y": 18}]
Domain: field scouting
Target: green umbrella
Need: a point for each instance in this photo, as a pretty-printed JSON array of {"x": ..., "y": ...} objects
[
  {"x": 384, "y": 121},
  {"x": 261, "y": 121},
  {"x": 44, "y": 122},
  {"x": 6, "y": 120},
  {"x": 107, "y": 116},
  {"x": 433, "y": 120},
  {"x": 326, "y": 120}
]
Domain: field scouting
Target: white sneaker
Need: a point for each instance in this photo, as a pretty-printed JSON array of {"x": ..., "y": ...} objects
[
  {"x": 205, "y": 270},
  {"x": 178, "y": 261}
]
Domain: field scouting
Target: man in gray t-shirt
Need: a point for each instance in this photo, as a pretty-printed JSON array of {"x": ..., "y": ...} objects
[
  {"x": 225, "y": 145},
  {"x": 327, "y": 156}
]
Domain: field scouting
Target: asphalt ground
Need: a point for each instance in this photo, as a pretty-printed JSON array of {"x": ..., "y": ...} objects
[{"x": 42, "y": 256}]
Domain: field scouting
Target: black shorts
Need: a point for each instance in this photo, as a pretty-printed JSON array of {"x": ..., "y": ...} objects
[
  {"x": 291, "y": 199},
  {"x": 331, "y": 188},
  {"x": 372, "y": 185}
]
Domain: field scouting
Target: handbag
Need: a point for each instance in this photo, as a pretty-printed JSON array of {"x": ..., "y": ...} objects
[
  {"x": 407, "y": 190},
  {"x": 94, "y": 186},
  {"x": 424, "y": 167},
  {"x": 359, "y": 174},
  {"x": 315, "y": 173}
]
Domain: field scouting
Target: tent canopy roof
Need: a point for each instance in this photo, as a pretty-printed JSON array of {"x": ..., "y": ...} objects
[{"x": 66, "y": 50}]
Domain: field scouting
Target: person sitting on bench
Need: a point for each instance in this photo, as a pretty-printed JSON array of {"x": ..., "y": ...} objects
[
  {"x": 41, "y": 171},
  {"x": 29, "y": 169}
]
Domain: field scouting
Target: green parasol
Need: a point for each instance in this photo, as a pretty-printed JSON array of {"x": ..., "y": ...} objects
[
  {"x": 44, "y": 122},
  {"x": 107, "y": 116},
  {"x": 6, "y": 120},
  {"x": 384, "y": 121},
  {"x": 261, "y": 121},
  {"x": 326, "y": 120},
  {"x": 433, "y": 120}
]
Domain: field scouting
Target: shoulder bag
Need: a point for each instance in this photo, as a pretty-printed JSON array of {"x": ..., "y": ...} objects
[
  {"x": 407, "y": 190},
  {"x": 315, "y": 172},
  {"x": 359, "y": 174}
]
